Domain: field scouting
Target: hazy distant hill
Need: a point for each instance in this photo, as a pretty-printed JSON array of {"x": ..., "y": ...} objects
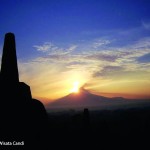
[{"x": 85, "y": 99}]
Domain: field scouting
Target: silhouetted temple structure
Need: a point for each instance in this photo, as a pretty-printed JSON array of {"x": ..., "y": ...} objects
[
  {"x": 22, "y": 118},
  {"x": 86, "y": 118}
]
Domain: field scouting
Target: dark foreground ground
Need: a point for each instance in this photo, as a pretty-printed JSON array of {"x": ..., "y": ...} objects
[{"x": 95, "y": 128}]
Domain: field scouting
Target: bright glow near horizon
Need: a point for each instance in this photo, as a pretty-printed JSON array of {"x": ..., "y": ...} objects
[{"x": 75, "y": 88}]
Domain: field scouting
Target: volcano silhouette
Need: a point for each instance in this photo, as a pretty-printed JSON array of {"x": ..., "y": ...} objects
[{"x": 86, "y": 99}]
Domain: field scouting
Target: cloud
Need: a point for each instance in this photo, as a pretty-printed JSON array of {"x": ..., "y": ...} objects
[
  {"x": 100, "y": 43},
  {"x": 71, "y": 48},
  {"x": 105, "y": 64},
  {"x": 52, "y": 49},
  {"x": 143, "y": 43},
  {"x": 99, "y": 60},
  {"x": 44, "y": 48},
  {"x": 146, "y": 25},
  {"x": 107, "y": 70},
  {"x": 101, "y": 57},
  {"x": 144, "y": 59},
  {"x": 125, "y": 57}
]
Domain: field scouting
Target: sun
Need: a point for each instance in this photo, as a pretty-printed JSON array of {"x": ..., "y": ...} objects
[{"x": 75, "y": 88}]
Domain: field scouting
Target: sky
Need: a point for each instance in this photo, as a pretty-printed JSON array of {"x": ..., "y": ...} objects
[{"x": 102, "y": 45}]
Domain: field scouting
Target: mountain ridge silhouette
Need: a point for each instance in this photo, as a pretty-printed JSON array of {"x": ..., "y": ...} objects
[{"x": 85, "y": 99}]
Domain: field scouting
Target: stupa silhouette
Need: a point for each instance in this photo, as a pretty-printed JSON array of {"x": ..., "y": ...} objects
[{"x": 22, "y": 117}]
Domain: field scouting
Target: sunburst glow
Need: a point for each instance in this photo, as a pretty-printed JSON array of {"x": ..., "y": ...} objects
[{"x": 75, "y": 88}]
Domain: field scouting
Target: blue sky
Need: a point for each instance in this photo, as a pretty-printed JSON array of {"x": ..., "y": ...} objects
[
  {"x": 65, "y": 21},
  {"x": 105, "y": 37}
]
